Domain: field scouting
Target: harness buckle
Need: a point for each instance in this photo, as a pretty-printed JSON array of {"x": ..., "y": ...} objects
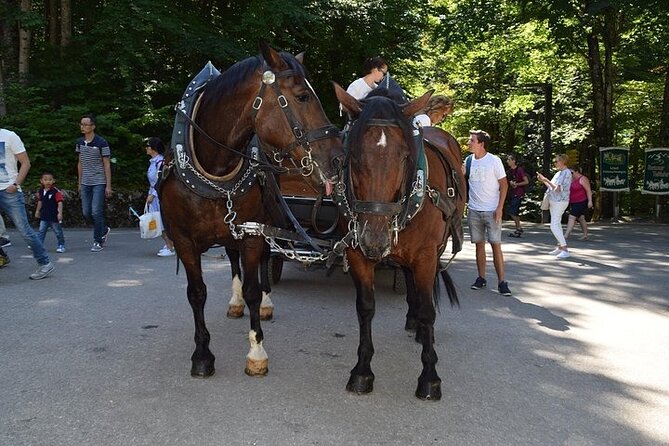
[
  {"x": 257, "y": 103},
  {"x": 451, "y": 192},
  {"x": 283, "y": 102}
]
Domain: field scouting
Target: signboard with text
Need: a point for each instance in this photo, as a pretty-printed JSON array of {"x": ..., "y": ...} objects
[
  {"x": 656, "y": 176},
  {"x": 613, "y": 163}
]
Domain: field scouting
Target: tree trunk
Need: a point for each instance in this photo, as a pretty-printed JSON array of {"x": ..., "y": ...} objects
[
  {"x": 65, "y": 23},
  {"x": 52, "y": 20},
  {"x": 3, "y": 105},
  {"x": 24, "y": 44},
  {"x": 664, "y": 119}
]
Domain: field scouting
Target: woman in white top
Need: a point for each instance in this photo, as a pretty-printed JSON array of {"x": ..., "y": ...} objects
[
  {"x": 374, "y": 68},
  {"x": 558, "y": 198}
]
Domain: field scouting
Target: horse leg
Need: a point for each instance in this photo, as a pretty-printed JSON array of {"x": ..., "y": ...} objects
[
  {"x": 202, "y": 358},
  {"x": 429, "y": 383},
  {"x": 411, "y": 318},
  {"x": 266, "y": 306},
  {"x": 236, "y": 304},
  {"x": 256, "y": 359},
  {"x": 362, "y": 272}
]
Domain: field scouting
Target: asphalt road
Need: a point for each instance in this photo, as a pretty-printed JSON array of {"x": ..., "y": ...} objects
[{"x": 99, "y": 353}]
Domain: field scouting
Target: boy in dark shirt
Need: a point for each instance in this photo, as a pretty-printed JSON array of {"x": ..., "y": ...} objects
[{"x": 50, "y": 210}]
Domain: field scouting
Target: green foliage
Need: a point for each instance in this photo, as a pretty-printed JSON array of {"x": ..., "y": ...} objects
[{"x": 130, "y": 60}]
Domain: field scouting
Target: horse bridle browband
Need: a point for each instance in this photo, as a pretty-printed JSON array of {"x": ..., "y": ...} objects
[{"x": 302, "y": 138}]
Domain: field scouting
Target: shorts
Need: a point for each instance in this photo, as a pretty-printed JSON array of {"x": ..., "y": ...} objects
[
  {"x": 514, "y": 205},
  {"x": 482, "y": 223},
  {"x": 578, "y": 209}
]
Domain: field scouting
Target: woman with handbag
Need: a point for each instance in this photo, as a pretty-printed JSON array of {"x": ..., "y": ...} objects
[
  {"x": 558, "y": 199},
  {"x": 580, "y": 200},
  {"x": 155, "y": 149}
]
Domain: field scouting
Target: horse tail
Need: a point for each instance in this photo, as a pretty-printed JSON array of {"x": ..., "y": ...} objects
[{"x": 450, "y": 289}]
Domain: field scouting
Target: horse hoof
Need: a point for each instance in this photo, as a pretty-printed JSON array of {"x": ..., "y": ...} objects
[
  {"x": 235, "y": 311},
  {"x": 360, "y": 384},
  {"x": 411, "y": 325},
  {"x": 202, "y": 370},
  {"x": 266, "y": 313},
  {"x": 256, "y": 367},
  {"x": 429, "y": 390}
]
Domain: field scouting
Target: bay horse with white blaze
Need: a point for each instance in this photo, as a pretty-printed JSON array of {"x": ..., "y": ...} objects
[
  {"x": 212, "y": 184},
  {"x": 394, "y": 211}
]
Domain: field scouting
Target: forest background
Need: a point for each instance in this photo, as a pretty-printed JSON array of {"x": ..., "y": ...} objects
[{"x": 603, "y": 65}]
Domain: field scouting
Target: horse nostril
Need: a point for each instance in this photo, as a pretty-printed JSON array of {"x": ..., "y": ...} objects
[{"x": 338, "y": 162}]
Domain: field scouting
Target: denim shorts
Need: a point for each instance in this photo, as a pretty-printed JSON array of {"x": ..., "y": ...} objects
[
  {"x": 514, "y": 205},
  {"x": 578, "y": 209},
  {"x": 482, "y": 223}
]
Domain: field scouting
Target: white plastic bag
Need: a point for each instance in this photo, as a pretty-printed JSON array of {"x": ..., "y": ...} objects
[{"x": 150, "y": 225}]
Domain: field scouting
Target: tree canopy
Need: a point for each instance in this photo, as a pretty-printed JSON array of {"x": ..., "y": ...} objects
[{"x": 128, "y": 61}]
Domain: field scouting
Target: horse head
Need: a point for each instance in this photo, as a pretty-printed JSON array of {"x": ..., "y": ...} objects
[
  {"x": 308, "y": 140},
  {"x": 381, "y": 161}
]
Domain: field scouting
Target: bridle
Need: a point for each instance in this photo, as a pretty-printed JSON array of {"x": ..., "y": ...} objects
[
  {"x": 303, "y": 137},
  {"x": 351, "y": 207}
]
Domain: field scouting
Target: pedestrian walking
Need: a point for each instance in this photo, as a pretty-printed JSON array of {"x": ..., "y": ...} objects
[
  {"x": 557, "y": 189},
  {"x": 95, "y": 181},
  {"x": 155, "y": 149},
  {"x": 50, "y": 210},
  {"x": 15, "y": 164}
]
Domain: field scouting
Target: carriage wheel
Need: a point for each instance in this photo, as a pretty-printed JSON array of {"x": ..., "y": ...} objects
[
  {"x": 399, "y": 281},
  {"x": 275, "y": 268}
]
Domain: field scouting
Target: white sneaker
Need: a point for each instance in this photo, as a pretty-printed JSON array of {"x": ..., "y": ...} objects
[
  {"x": 563, "y": 255},
  {"x": 43, "y": 271},
  {"x": 166, "y": 252},
  {"x": 555, "y": 251}
]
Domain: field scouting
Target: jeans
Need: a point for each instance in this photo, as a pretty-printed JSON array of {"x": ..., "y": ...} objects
[
  {"x": 57, "y": 229},
  {"x": 557, "y": 208},
  {"x": 15, "y": 207},
  {"x": 93, "y": 208}
]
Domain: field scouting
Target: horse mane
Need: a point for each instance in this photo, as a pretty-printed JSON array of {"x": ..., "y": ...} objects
[
  {"x": 380, "y": 104},
  {"x": 238, "y": 73}
]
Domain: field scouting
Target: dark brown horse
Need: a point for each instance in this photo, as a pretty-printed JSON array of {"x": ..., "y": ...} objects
[
  {"x": 209, "y": 191},
  {"x": 380, "y": 187}
]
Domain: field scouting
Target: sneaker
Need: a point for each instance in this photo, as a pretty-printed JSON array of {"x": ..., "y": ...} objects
[
  {"x": 503, "y": 288},
  {"x": 4, "y": 261},
  {"x": 97, "y": 247},
  {"x": 563, "y": 255},
  {"x": 516, "y": 234},
  {"x": 555, "y": 251},
  {"x": 480, "y": 283},
  {"x": 60, "y": 249},
  {"x": 103, "y": 240},
  {"x": 5, "y": 242},
  {"x": 166, "y": 252},
  {"x": 43, "y": 271}
]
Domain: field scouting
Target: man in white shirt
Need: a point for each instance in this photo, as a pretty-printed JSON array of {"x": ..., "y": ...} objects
[
  {"x": 487, "y": 184},
  {"x": 14, "y": 167}
]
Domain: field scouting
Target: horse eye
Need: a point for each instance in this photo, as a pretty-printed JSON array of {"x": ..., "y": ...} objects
[{"x": 303, "y": 97}]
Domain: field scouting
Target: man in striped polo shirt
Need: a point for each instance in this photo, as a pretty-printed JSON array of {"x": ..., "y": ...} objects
[{"x": 94, "y": 169}]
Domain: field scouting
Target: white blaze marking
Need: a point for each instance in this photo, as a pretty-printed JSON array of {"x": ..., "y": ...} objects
[{"x": 382, "y": 140}]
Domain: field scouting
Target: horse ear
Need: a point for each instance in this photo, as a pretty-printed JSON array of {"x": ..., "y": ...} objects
[
  {"x": 416, "y": 106},
  {"x": 350, "y": 104},
  {"x": 300, "y": 58},
  {"x": 271, "y": 56}
]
